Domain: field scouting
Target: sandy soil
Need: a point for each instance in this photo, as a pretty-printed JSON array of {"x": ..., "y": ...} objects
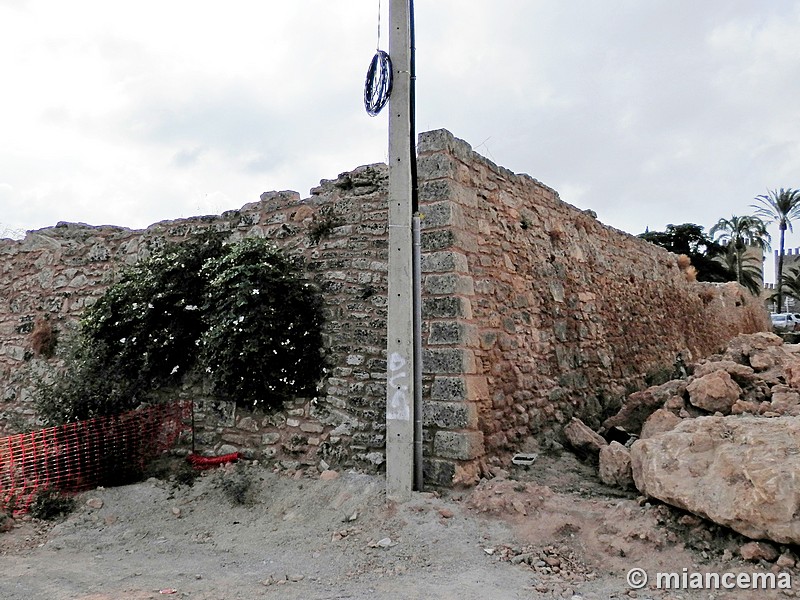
[{"x": 551, "y": 530}]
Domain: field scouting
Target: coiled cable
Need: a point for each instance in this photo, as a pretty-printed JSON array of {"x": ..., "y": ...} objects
[{"x": 378, "y": 86}]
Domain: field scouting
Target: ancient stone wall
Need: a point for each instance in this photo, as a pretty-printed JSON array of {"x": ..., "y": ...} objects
[
  {"x": 542, "y": 312},
  {"x": 533, "y": 312},
  {"x": 341, "y": 233}
]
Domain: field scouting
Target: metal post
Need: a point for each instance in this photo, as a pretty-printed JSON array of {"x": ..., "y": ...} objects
[
  {"x": 417, "y": 290},
  {"x": 400, "y": 329}
]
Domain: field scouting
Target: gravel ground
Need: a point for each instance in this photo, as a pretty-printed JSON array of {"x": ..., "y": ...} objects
[{"x": 547, "y": 531}]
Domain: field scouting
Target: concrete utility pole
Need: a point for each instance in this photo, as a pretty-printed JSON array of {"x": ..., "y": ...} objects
[{"x": 400, "y": 330}]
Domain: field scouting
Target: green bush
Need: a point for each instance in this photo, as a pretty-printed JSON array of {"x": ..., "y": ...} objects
[
  {"x": 239, "y": 317},
  {"x": 263, "y": 337}
]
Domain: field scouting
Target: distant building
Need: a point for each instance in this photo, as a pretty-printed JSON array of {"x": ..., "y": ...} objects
[{"x": 791, "y": 262}]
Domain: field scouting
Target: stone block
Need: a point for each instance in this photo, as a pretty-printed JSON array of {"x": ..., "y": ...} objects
[
  {"x": 449, "y": 284},
  {"x": 438, "y": 166},
  {"x": 449, "y": 415},
  {"x": 445, "y": 332},
  {"x": 311, "y": 427},
  {"x": 248, "y": 424},
  {"x": 438, "y": 472},
  {"x": 446, "y": 307},
  {"x": 448, "y": 360},
  {"x": 441, "y": 140},
  {"x": 446, "y": 261},
  {"x": 441, "y": 214},
  {"x": 438, "y": 240},
  {"x": 465, "y": 388},
  {"x": 453, "y": 332},
  {"x": 460, "y": 445},
  {"x": 434, "y": 191},
  {"x": 267, "y": 439}
]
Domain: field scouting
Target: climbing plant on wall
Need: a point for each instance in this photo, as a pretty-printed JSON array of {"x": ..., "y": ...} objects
[
  {"x": 239, "y": 317},
  {"x": 263, "y": 334}
]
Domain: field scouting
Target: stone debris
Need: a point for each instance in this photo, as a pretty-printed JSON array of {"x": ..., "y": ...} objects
[
  {"x": 640, "y": 405},
  {"x": 553, "y": 565},
  {"x": 660, "y": 421},
  {"x": 715, "y": 392},
  {"x": 343, "y": 533},
  {"x": 755, "y": 551},
  {"x": 737, "y": 471},
  {"x": 506, "y": 496},
  {"x": 720, "y": 443},
  {"x": 351, "y": 517},
  {"x": 6, "y": 524},
  {"x": 615, "y": 466},
  {"x": 787, "y": 560},
  {"x": 582, "y": 438},
  {"x": 95, "y": 503}
]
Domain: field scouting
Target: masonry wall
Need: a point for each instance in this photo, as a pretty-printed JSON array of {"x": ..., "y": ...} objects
[
  {"x": 544, "y": 313},
  {"x": 533, "y": 312},
  {"x": 55, "y": 272}
]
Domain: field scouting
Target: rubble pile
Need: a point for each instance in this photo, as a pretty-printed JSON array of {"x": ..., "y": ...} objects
[{"x": 724, "y": 443}]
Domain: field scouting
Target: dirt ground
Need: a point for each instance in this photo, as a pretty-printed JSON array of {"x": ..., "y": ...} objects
[{"x": 551, "y": 530}]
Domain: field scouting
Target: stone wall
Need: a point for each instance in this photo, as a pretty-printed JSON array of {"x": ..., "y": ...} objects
[
  {"x": 533, "y": 312},
  {"x": 340, "y": 231},
  {"x": 541, "y": 312}
]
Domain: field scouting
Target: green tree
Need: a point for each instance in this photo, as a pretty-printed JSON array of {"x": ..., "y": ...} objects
[
  {"x": 781, "y": 207},
  {"x": 748, "y": 270},
  {"x": 737, "y": 233},
  {"x": 691, "y": 240}
]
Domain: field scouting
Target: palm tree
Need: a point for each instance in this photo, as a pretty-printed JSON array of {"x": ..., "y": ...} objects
[
  {"x": 779, "y": 206},
  {"x": 746, "y": 269},
  {"x": 791, "y": 282},
  {"x": 737, "y": 233}
]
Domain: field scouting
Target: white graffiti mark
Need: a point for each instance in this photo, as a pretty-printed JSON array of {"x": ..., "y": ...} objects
[
  {"x": 396, "y": 362},
  {"x": 398, "y": 407}
]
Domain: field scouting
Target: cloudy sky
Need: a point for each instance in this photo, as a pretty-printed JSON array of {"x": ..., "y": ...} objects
[{"x": 647, "y": 111}]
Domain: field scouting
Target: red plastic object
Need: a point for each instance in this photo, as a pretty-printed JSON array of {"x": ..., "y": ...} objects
[{"x": 209, "y": 462}]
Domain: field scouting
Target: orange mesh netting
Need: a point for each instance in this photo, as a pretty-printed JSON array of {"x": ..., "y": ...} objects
[{"x": 79, "y": 456}]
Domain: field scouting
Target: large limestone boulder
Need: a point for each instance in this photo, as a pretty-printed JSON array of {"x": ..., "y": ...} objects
[
  {"x": 582, "y": 438},
  {"x": 714, "y": 392},
  {"x": 739, "y": 471},
  {"x": 615, "y": 465},
  {"x": 660, "y": 421}
]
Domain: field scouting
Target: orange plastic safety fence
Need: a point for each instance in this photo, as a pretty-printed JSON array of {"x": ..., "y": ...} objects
[{"x": 79, "y": 456}]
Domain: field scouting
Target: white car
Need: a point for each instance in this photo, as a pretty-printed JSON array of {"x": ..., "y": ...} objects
[{"x": 785, "y": 321}]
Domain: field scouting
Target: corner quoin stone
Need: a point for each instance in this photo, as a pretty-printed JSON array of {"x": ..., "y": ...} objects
[
  {"x": 459, "y": 445},
  {"x": 463, "y": 388},
  {"x": 450, "y": 415},
  {"x": 444, "y": 262},
  {"x": 448, "y": 360},
  {"x": 438, "y": 472}
]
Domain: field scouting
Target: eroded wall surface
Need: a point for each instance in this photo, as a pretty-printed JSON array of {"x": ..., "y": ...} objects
[
  {"x": 551, "y": 313},
  {"x": 533, "y": 312}
]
